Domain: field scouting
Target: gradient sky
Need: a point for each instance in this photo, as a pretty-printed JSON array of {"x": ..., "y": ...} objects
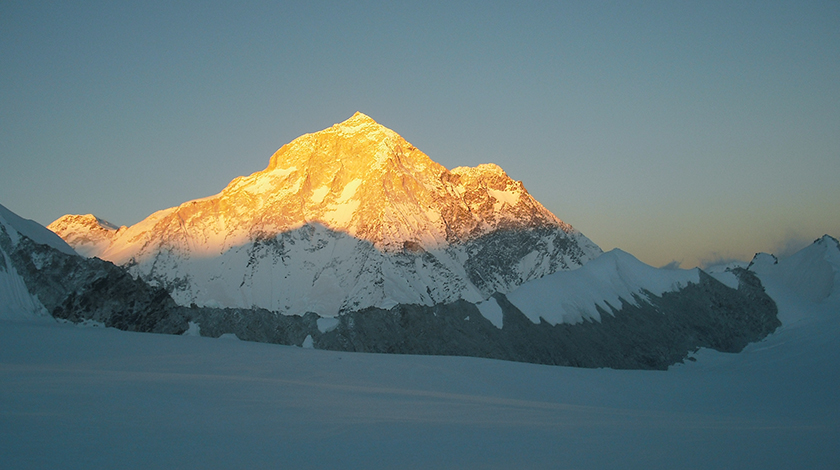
[{"x": 678, "y": 131}]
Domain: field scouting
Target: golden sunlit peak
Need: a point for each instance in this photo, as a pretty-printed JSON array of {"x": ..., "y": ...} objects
[
  {"x": 357, "y": 191},
  {"x": 358, "y": 123},
  {"x": 357, "y": 119},
  {"x": 360, "y": 136},
  {"x": 359, "y": 115}
]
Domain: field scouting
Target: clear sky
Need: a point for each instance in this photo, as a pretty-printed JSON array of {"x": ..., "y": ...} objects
[{"x": 677, "y": 131}]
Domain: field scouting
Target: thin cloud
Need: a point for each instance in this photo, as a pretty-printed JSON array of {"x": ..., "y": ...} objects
[
  {"x": 672, "y": 265},
  {"x": 718, "y": 259}
]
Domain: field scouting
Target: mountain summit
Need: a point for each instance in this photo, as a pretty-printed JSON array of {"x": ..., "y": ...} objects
[{"x": 350, "y": 217}]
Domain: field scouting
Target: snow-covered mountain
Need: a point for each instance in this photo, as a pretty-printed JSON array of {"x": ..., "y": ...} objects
[
  {"x": 613, "y": 312},
  {"x": 343, "y": 219},
  {"x": 42, "y": 277},
  {"x": 809, "y": 276},
  {"x": 813, "y": 272},
  {"x": 365, "y": 244},
  {"x": 87, "y": 234}
]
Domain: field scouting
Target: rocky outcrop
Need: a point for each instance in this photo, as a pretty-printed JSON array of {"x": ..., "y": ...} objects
[{"x": 654, "y": 332}]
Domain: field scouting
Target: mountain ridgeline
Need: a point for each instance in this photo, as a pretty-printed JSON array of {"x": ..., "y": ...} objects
[
  {"x": 343, "y": 219},
  {"x": 352, "y": 239}
]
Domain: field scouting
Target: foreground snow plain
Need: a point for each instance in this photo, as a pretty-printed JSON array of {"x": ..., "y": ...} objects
[{"x": 76, "y": 397}]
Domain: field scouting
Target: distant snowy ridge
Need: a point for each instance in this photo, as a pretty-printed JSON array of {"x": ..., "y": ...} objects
[
  {"x": 346, "y": 218},
  {"x": 87, "y": 234},
  {"x": 649, "y": 318},
  {"x": 571, "y": 297}
]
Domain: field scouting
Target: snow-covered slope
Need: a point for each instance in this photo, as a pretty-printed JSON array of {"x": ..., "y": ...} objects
[
  {"x": 16, "y": 301},
  {"x": 574, "y": 296},
  {"x": 95, "y": 398},
  {"x": 349, "y": 217},
  {"x": 16, "y": 225},
  {"x": 811, "y": 276}
]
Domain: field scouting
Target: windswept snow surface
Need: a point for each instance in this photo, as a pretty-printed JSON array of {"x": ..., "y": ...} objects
[{"x": 93, "y": 398}]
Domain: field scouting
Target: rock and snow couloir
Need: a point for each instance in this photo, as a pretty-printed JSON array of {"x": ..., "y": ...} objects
[{"x": 343, "y": 219}]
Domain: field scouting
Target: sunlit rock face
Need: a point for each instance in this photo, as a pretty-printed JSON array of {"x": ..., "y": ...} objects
[{"x": 346, "y": 218}]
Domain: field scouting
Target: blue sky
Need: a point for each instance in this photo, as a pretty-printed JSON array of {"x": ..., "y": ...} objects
[{"x": 677, "y": 131}]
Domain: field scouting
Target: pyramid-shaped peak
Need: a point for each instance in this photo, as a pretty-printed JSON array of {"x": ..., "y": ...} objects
[
  {"x": 359, "y": 117},
  {"x": 360, "y": 123},
  {"x": 828, "y": 240},
  {"x": 353, "y": 214},
  {"x": 359, "y": 139}
]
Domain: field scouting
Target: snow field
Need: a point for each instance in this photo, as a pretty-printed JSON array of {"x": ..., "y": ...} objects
[{"x": 78, "y": 397}]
